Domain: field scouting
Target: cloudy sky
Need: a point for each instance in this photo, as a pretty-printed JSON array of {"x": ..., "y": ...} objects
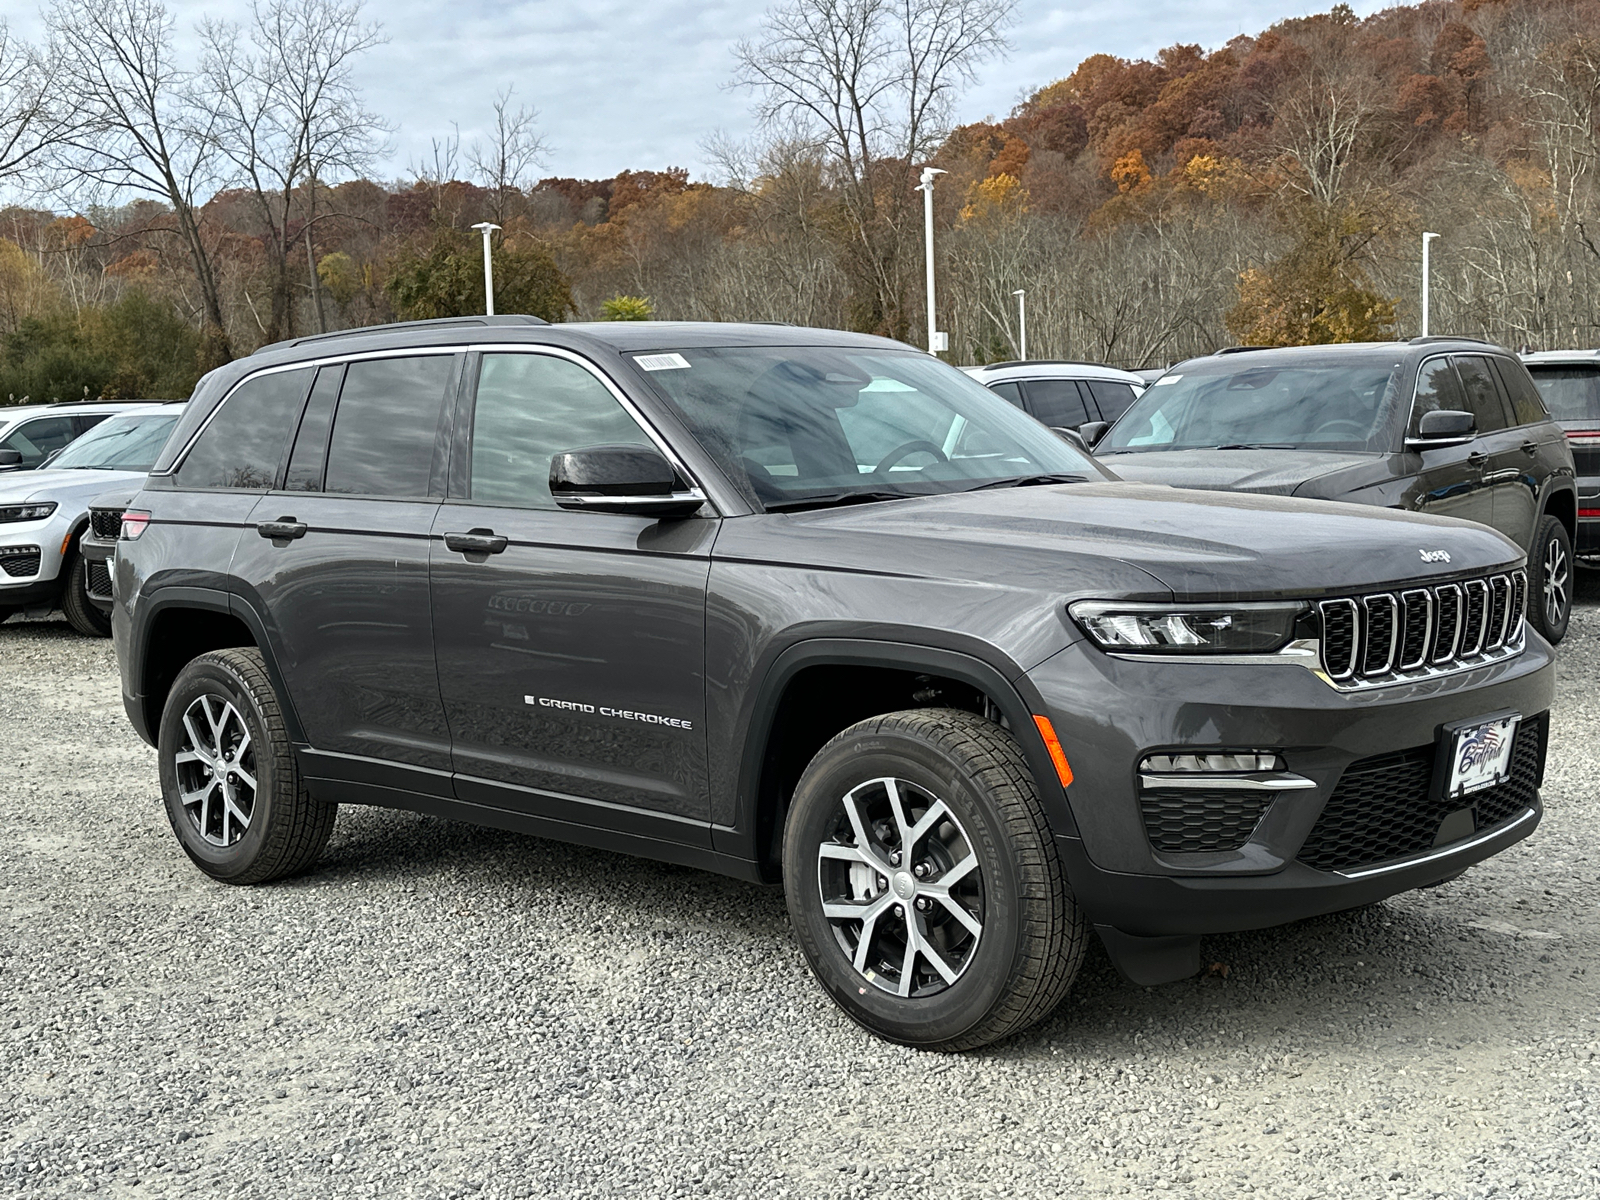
[{"x": 640, "y": 83}]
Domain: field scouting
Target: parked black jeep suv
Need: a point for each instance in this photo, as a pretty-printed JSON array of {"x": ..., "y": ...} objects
[
  {"x": 1440, "y": 425},
  {"x": 811, "y": 606}
]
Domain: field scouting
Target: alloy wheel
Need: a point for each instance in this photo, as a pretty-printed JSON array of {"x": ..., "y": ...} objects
[
  {"x": 901, "y": 888},
  {"x": 216, "y": 769},
  {"x": 1556, "y": 583}
]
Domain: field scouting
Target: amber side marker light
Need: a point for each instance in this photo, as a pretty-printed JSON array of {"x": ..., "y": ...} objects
[{"x": 1053, "y": 744}]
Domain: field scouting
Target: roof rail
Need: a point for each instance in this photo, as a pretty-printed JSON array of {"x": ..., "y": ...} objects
[
  {"x": 1242, "y": 349},
  {"x": 1047, "y": 362},
  {"x": 1429, "y": 339},
  {"x": 95, "y": 400},
  {"x": 432, "y": 323}
]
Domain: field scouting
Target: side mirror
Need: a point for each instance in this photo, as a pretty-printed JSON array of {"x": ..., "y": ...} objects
[
  {"x": 620, "y": 479},
  {"x": 1443, "y": 427},
  {"x": 1092, "y": 431},
  {"x": 10, "y": 460},
  {"x": 1068, "y": 434}
]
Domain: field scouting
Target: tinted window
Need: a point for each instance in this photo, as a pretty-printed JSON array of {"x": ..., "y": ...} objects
[
  {"x": 1437, "y": 388},
  {"x": 311, "y": 443},
  {"x": 1011, "y": 393},
  {"x": 128, "y": 443},
  {"x": 1112, "y": 397},
  {"x": 1057, "y": 402},
  {"x": 242, "y": 446},
  {"x": 386, "y": 426},
  {"x": 530, "y": 408},
  {"x": 1483, "y": 397},
  {"x": 1572, "y": 393},
  {"x": 1526, "y": 405},
  {"x": 38, "y": 438}
]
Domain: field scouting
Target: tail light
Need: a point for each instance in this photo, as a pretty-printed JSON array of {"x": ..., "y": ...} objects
[{"x": 134, "y": 523}]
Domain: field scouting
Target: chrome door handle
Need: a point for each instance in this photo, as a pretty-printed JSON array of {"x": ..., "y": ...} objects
[
  {"x": 283, "y": 529},
  {"x": 476, "y": 541},
  {"x": 1477, "y": 458},
  {"x": 1530, "y": 448}
]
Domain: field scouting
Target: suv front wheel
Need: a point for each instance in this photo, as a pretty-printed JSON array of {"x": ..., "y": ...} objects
[
  {"x": 229, "y": 776},
  {"x": 924, "y": 884},
  {"x": 1550, "y": 579}
]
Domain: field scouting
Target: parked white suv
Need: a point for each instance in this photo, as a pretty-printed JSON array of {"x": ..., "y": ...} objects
[
  {"x": 33, "y": 432},
  {"x": 1063, "y": 395},
  {"x": 43, "y": 514}
]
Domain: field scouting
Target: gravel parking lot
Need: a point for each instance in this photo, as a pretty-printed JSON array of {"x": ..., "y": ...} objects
[{"x": 444, "y": 1011}]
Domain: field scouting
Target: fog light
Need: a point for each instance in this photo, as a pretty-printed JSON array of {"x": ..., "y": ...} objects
[{"x": 1176, "y": 764}]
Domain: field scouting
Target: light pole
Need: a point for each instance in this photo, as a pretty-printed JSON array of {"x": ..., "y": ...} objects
[
  {"x": 1426, "y": 238},
  {"x": 936, "y": 341},
  {"x": 488, "y": 267},
  {"x": 1022, "y": 322}
]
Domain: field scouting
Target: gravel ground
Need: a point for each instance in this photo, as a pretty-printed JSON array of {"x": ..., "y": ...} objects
[{"x": 444, "y": 1011}]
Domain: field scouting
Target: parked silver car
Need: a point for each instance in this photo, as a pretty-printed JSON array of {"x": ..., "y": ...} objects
[{"x": 31, "y": 433}]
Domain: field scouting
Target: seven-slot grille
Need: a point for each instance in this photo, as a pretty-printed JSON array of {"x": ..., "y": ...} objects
[
  {"x": 1394, "y": 637},
  {"x": 106, "y": 522}
]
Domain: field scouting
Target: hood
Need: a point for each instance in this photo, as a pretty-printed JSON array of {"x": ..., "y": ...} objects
[
  {"x": 1124, "y": 540},
  {"x": 61, "y": 486},
  {"x": 1270, "y": 472}
]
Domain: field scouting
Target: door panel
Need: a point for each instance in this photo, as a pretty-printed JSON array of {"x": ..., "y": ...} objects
[
  {"x": 573, "y": 661},
  {"x": 347, "y": 606},
  {"x": 1508, "y": 469}
]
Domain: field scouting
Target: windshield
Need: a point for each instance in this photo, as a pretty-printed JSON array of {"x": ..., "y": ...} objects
[
  {"x": 793, "y": 425},
  {"x": 126, "y": 443},
  {"x": 1222, "y": 405},
  {"x": 1571, "y": 393}
]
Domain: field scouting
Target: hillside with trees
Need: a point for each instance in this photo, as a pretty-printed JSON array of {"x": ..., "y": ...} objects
[{"x": 1269, "y": 191}]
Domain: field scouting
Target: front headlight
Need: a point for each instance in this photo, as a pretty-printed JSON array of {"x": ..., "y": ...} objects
[
  {"x": 26, "y": 512},
  {"x": 1188, "y": 628}
]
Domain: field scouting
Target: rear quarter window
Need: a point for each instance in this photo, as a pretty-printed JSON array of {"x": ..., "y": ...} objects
[{"x": 1570, "y": 391}]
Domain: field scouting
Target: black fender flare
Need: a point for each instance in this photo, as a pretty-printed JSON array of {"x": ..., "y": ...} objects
[
  {"x": 208, "y": 599},
  {"x": 1010, "y": 690}
]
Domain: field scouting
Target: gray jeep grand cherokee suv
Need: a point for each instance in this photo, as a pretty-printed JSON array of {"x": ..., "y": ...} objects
[{"x": 814, "y": 607}]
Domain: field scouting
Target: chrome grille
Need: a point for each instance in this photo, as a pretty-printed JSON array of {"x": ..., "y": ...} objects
[{"x": 1396, "y": 637}]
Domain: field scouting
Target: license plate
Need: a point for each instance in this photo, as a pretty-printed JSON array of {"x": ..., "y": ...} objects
[{"x": 1480, "y": 754}]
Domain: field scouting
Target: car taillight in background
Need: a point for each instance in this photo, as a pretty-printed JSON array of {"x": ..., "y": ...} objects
[{"x": 134, "y": 524}]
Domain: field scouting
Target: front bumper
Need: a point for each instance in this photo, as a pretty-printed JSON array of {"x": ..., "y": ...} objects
[
  {"x": 30, "y": 562},
  {"x": 98, "y": 555},
  {"x": 1111, "y": 713}
]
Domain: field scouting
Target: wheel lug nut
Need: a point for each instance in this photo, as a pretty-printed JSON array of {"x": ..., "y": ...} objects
[
  {"x": 900, "y": 911},
  {"x": 894, "y": 859},
  {"x": 882, "y": 883},
  {"x": 921, "y": 870},
  {"x": 922, "y": 904}
]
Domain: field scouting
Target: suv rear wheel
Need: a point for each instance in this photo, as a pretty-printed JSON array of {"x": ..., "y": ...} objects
[
  {"x": 923, "y": 882},
  {"x": 228, "y": 773},
  {"x": 1550, "y": 579}
]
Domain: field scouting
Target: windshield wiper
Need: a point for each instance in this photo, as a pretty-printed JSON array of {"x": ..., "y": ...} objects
[
  {"x": 1029, "y": 481},
  {"x": 834, "y": 500},
  {"x": 1257, "y": 446}
]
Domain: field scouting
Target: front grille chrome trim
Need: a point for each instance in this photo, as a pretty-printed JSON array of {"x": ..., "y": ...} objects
[
  {"x": 1451, "y": 595},
  {"x": 1374, "y": 608},
  {"x": 1417, "y": 860},
  {"x": 1425, "y": 598}
]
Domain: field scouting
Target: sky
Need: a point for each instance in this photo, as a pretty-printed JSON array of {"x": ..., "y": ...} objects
[{"x": 639, "y": 84}]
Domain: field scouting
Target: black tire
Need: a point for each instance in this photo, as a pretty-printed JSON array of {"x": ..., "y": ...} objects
[
  {"x": 76, "y": 606},
  {"x": 1021, "y": 961},
  {"x": 7, "y": 613},
  {"x": 1550, "y": 580},
  {"x": 285, "y": 829}
]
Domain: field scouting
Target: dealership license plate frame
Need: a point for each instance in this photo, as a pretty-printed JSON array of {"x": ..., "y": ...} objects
[{"x": 1462, "y": 774}]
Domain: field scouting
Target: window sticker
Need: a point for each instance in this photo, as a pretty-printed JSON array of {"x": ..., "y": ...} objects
[
  {"x": 661, "y": 362},
  {"x": 1166, "y": 379}
]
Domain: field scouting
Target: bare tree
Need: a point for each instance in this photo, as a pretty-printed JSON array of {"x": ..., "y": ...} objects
[
  {"x": 504, "y": 163},
  {"x": 289, "y": 116},
  {"x": 30, "y": 122},
  {"x": 140, "y": 125},
  {"x": 869, "y": 83}
]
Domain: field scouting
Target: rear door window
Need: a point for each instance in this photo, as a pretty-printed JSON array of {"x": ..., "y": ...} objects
[
  {"x": 1526, "y": 405},
  {"x": 387, "y": 429},
  {"x": 1572, "y": 393},
  {"x": 1112, "y": 397},
  {"x": 1438, "y": 389},
  {"x": 1483, "y": 394},
  {"x": 1057, "y": 402},
  {"x": 242, "y": 445},
  {"x": 1011, "y": 393}
]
